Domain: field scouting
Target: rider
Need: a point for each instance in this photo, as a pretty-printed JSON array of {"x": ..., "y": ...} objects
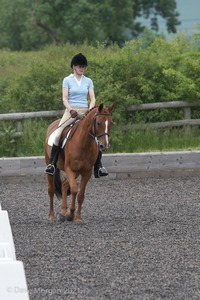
[{"x": 75, "y": 89}]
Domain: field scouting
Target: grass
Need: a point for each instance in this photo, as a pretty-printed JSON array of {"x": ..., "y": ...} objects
[
  {"x": 152, "y": 140},
  {"x": 131, "y": 141}
]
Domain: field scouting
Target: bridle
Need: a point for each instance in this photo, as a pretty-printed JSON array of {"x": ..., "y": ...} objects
[{"x": 94, "y": 132}]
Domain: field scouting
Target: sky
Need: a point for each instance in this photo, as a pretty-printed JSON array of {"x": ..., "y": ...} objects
[
  {"x": 189, "y": 11},
  {"x": 189, "y": 14}
]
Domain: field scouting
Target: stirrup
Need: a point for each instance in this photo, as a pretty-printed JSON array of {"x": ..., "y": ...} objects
[
  {"x": 99, "y": 172},
  {"x": 103, "y": 172},
  {"x": 50, "y": 170}
]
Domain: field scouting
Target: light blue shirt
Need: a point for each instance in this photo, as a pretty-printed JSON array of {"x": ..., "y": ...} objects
[{"x": 77, "y": 90}]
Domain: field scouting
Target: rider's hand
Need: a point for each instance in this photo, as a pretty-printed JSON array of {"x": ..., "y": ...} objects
[{"x": 73, "y": 113}]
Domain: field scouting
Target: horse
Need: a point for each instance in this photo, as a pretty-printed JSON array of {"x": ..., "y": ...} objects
[{"x": 77, "y": 158}]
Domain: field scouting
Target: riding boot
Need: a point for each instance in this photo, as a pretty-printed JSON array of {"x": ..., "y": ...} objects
[
  {"x": 99, "y": 170},
  {"x": 50, "y": 169}
]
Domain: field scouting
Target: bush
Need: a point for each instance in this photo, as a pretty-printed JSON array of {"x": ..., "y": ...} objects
[{"x": 143, "y": 71}]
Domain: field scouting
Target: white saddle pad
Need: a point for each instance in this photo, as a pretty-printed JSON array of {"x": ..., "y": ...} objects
[{"x": 53, "y": 136}]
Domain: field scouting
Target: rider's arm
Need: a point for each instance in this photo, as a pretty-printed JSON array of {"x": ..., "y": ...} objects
[
  {"x": 65, "y": 98},
  {"x": 92, "y": 98}
]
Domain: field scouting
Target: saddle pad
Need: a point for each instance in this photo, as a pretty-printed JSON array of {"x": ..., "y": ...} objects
[{"x": 52, "y": 138}]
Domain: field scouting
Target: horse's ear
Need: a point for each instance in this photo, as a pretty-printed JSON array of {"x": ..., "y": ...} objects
[
  {"x": 111, "y": 107},
  {"x": 100, "y": 107}
]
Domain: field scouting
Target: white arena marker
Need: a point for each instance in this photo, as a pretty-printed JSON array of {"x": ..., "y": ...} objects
[
  {"x": 13, "y": 284},
  {"x": 5, "y": 252},
  {"x": 5, "y": 231}
]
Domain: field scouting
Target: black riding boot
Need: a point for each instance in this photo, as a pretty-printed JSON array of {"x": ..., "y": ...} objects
[
  {"x": 99, "y": 170},
  {"x": 50, "y": 169}
]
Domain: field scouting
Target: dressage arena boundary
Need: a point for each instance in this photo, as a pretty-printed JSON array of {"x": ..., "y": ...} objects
[
  {"x": 119, "y": 165},
  {"x": 13, "y": 283}
]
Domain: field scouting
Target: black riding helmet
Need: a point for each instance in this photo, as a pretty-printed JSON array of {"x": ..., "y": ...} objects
[{"x": 79, "y": 60}]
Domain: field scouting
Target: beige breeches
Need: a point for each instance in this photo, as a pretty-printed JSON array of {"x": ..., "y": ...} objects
[{"x": 67, "y": 120}]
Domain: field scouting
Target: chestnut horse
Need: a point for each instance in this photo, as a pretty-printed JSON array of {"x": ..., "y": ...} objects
[{"x": 78, "y": 157}]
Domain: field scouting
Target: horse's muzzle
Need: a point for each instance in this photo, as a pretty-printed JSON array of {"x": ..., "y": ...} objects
[{"x": 103, "y": 147}]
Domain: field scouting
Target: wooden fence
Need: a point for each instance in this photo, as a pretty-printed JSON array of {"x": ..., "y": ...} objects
[
  {"x": 186, "y": 106},
  {"x": 119, "y": 165}
]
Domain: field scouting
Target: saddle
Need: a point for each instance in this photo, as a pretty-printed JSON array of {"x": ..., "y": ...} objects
[{"x": 68, "y": 133}]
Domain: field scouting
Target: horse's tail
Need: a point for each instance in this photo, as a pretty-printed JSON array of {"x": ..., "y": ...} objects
[{"x": 57, "y": 183}]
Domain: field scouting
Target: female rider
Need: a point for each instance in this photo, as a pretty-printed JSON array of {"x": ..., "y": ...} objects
[{"x": 75, "y": 89}]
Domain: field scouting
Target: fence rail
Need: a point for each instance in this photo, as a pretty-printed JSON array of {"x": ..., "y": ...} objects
[
  {"x": 170, "y": 104},
  {"x": 28, "y": 115},
  {"x": 186, "y": 106},
  {"x": 119, "y": 165},
  {"x": 186, "y": 121},
  {"x": 20, "y": 117}
]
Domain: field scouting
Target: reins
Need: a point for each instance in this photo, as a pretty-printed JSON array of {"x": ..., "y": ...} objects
[{"x": 93, "y": 134}]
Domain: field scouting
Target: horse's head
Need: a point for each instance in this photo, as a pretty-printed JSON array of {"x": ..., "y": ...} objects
[{"x": 102, "y": 123}]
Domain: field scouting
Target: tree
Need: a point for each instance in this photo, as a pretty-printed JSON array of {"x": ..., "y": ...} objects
[
  {"x": 154, "y": 8},
  {"x": 30, "y": 24}
]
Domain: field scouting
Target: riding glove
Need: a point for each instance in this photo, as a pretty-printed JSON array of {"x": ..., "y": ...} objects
[{"x": 73, "y": 113}]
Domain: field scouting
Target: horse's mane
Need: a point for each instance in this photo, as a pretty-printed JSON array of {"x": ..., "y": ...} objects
[{"x": 89, "y": 111}]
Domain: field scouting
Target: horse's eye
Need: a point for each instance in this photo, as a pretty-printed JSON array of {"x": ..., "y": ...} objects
[{"x": 99, "y": 124}]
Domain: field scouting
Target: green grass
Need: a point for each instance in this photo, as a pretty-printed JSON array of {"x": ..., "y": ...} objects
[
  {"x": 151, "y": 140},
  {"x": 31, "y": 143},
  {"x": 131, "y": 141}
]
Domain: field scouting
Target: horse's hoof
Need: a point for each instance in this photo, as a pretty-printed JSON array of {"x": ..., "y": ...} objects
[
  {"x": 79, "y": 221},
  {"x": 51, "y": 218},
  {"x": 62, "y": 218},
  {"x": 69, "y": 218}
]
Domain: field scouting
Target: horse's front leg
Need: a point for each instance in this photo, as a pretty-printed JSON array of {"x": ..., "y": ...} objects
[
  {"x": 74, "y": 190},
  {"x": 63, "y": 212},
  {"x": 81, "y": 195},
  {"x": 70, "y": 214}
]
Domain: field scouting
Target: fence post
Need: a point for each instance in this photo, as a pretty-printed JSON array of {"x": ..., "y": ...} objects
[
  {"x": 19, "y": 126},
  {"x": 187, "y": 115}
]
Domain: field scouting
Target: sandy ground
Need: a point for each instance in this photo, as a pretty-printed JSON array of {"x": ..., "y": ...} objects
[{"x": 140, "y": 239}]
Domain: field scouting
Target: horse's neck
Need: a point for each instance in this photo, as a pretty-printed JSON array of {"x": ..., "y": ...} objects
[{"x": 85, "y": 128}]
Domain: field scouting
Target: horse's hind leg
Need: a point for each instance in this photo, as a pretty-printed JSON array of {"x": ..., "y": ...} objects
[{"x": 51, "y": 191}]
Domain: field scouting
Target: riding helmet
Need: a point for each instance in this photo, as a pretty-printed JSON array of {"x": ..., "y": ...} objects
[{"x": 79, "y": 60}]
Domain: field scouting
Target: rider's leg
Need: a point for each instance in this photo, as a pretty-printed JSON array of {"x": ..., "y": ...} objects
[
  {"x": 99, "y": 170},
  {"x": 50, "y": 169},
  {"x": 65, "y": 120}
]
